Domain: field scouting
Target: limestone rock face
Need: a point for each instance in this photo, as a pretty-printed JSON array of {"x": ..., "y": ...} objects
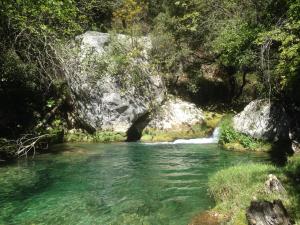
[
  {"x": 263, "y": 120},
  {"x": 175, "y": 114},
  {"x": 103, "y": 98}
]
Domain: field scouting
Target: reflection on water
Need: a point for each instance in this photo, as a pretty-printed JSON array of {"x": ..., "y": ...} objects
[{"x": 114, "y": 184}]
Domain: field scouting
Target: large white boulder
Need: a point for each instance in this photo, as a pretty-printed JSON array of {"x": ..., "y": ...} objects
[
  {"x": 263, "y": 119},
  {"x": 102, "y": 98},
  {"x": 176, "y": 114}
]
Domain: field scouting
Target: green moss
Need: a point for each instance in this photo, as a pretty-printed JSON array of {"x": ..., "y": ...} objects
[
  {"x": 98, "y": 137},
  {"x": 196, "y": 131},
  {"x": 147, "y": 138},
  {"x": 233, "y": 140},
  {"x": 234, "y": 147},
  {"x": 212, "y": 119}
]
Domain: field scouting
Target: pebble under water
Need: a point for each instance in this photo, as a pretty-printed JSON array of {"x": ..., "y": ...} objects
[{"x": 113, "y": 184}]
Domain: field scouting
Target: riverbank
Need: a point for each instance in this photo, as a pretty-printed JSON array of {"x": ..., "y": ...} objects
[{"x": 234, "y": 188}]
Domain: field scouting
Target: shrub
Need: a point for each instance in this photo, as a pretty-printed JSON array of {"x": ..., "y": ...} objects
[
  {"x": 230, "y": 138},
  {"x": 98, "y": 137}
]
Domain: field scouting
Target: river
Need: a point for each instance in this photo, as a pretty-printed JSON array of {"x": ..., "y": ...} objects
[{"x": 117, "y": 184}]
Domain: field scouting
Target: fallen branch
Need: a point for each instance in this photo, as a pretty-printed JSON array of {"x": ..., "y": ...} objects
[{"x": 29, "y": 143}]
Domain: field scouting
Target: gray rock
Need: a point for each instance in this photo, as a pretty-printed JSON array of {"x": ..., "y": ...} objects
[
  {"x": 100, "y": 100},
  {"x": 262, "y": 119},
  {"x": 296, "y": 147},
  {"x": 175, "y": 114},
  {"x": 274, "y": 185},
  {"x": 267, "y": 213}
]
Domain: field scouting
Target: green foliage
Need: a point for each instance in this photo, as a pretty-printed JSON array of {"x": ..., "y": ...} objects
[
  {"x": 97, "y": 14},
  {"x": 286, "y": 38},
  {"x": 19, "y": 93},
  {"x": 42, "y": 17},
  {"x": 167, "y": 54},
  {"x": 231, "y": 139},
  {"x": 98, "y": 137},
  {"x": 233, "y": 44},
  {"x": 212, "y": 119},
  {"x": 123, "y": 60},
  {"x": 185, "y": 36},
  {"x": 196, "y": 131},
  {"x": 129, "y": 13}
]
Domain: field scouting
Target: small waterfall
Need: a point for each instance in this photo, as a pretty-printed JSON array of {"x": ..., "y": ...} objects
[
  {"x": 210, "y": 140},
  {"x": 213, "y": 139}
]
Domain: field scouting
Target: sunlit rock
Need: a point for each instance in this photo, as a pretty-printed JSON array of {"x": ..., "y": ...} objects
[
  {"x": 104, "y": 92},
  {"x": 274, "y": 185},
  {"x": 175, "y": 114},
  {"x": 262, "y": 119}
]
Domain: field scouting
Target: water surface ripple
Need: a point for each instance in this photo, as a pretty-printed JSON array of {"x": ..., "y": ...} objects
[{"x": 115, "y": 184}]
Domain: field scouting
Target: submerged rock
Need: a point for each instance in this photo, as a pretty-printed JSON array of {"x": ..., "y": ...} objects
[
  {"x": 262, "y": 119},
  {"x": 102, "y": 72},
  {"x": 267, "y": 213}
]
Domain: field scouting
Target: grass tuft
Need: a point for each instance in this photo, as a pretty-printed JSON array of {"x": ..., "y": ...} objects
[
  {"x": 233, "y": 140},
  {"x": 234, "y": 188}
]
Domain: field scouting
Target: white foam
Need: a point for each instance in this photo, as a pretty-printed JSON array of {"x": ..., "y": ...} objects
[{"x": 210, "y": 140}]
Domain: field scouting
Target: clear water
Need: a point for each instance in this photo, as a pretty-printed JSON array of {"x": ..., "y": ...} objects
[{"x": 118, "y": 184}]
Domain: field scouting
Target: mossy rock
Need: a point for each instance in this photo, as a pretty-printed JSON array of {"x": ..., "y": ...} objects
[
  {"x": 234, "y": 147},
  {"x": 147, "y": 138},
  {"x": 98, "y": 137},
  {"x": 163, "y": 138},
  {"x": 212, "y": 119},
  {"x": 238, "y": 147},
  {"x": 195, "y": 131}
]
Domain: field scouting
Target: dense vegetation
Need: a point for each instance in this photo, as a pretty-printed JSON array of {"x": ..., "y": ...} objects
[
  {"x": 252, "y": 45},
  {"x": 211, "y": 52},
  {"x": 217, "y": 53}
]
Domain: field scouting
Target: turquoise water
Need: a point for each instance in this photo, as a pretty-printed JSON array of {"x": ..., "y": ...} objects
[{"x": 118, "y": 184}]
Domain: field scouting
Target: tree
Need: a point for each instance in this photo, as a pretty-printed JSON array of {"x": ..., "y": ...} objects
[{"x": 129, "y": 13}]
